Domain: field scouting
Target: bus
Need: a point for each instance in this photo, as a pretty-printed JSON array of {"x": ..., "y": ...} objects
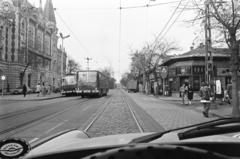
[
  {"x": 69, "y": 85},
  {"x": 92, "y": 83}
]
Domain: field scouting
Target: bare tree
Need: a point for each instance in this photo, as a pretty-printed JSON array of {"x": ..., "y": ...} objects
[
  {"x": 149, "y": 57},
  {"x": 72, "y": 66},
  {"x": 226, "y": 20}
]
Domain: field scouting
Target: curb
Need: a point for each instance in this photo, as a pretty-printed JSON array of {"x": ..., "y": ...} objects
[{"x": 31, "y": 99}]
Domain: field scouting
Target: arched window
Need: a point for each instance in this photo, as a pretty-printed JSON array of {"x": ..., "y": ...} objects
[{"x": 23, "y": 33}]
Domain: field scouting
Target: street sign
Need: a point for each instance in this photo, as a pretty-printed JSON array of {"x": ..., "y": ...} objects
[
  {"x": 3, "y": 77},
  {"x": 218, "y": 87},
  {"x": 164, "y": 72}
]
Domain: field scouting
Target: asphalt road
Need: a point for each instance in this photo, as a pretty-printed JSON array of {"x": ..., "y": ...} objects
[{"x": 112, "y": 114}]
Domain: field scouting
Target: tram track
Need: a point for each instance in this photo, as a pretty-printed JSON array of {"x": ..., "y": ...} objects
[
  {"x": 108, "y": 103},
  {"x": 97, "y": 115}
]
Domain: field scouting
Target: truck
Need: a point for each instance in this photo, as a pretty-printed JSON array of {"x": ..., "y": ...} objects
[
  {"x": 69, "y": 85},
  {"x": 92, "y": 83},
  {"x": 132, "y": 86}
]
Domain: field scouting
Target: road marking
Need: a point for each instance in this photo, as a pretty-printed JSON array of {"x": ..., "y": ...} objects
[
  {"x": 49, "y": 130},
  {"x": 34, "y": 139}
]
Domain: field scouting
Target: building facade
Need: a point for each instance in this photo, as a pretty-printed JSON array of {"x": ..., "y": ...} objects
[
  {"x": 189, "y": 68},
  {"x": 29, "y": 52}
]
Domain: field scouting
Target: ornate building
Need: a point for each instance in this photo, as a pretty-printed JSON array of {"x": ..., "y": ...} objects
[{"x": 28, "y": 46}]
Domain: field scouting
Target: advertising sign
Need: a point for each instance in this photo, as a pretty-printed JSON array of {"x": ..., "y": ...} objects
[
  {"x": 164, "y": 72},
  {"x": 218, "y": 87}
]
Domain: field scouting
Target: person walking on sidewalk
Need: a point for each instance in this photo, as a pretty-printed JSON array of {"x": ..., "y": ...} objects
[
  {"x": 190, "y": 94},
  {"x": 38, "y": 89},
  {"x": 205, "y": 94},
  {"x": 186, "y": 93},
  {"x": 182, "y": 92},
  {"x": 24, "y": 90}
]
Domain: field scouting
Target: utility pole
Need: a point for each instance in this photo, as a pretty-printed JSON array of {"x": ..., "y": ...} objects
[
  {"x": 208, "y": 46},
  {"x": 88, "y": 59},
  {"x": 62, "y": 37}
]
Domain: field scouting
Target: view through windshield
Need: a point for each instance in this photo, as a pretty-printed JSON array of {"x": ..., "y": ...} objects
[{"x": 133, "y": 66}]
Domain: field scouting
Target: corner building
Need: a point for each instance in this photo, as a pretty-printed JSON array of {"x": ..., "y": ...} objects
[{"x": 30, "y": 43}]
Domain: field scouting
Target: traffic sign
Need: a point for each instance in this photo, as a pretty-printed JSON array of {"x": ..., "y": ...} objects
[
  {"x": 3, "y": 77},
  {"x": 164, "y": 72}
]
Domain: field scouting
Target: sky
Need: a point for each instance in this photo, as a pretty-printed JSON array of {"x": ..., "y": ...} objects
[{"x": 100, "y": 31}]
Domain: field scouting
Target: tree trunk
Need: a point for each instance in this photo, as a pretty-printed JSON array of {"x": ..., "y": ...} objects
[{"x": 235, "y": 83}]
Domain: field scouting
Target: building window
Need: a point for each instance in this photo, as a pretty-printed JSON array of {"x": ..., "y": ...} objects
[
  {"x": 29, "y": 80},
  {"x": 31, "y": 36},
  {"x": 40, "y": 40},
  {"x": 47, "y": 44}
]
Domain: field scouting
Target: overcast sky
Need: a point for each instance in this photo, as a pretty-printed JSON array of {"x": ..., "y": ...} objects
[{"x": 94, "y": 26}]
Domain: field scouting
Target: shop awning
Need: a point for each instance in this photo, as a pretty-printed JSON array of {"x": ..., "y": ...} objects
[{"x": 188, "y": 63}]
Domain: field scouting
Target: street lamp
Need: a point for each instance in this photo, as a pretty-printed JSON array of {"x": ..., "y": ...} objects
[
  {"x": 3, "y": 78},
  {"x": 62, "y": 37}
]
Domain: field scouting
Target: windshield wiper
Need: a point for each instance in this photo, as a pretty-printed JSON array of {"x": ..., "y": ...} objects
[
  {"x": 157, "y": 135},
  {"x": 214, "y": 128}
]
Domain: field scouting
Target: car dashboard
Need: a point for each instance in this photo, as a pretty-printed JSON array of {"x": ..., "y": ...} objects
[{"x": 172, "y": 150}]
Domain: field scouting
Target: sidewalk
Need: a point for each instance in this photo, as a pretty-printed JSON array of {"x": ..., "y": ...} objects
[
  {"x": 30, "y": 97},
  {"x": 216, "y": 109},
  {"x": 175, "y": 97}
]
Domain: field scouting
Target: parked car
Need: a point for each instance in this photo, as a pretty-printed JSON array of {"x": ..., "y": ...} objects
[{"x": 19, "y": 89}]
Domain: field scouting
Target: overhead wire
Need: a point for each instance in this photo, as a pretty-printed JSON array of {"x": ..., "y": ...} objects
[
  {"x": 119, "y": 37},
  {"x": 149, "y": 5},
  {"x": 175, "y": 20},
  {"x": 165, "y": 26},
  {"x": 72, "y": 32}
]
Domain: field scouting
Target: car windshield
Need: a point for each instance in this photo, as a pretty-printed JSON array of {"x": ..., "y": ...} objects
[
  {"x": 111, "y": 67},
  {"x": 86, "y": 77},
  {"x": 69, "y": 80}
]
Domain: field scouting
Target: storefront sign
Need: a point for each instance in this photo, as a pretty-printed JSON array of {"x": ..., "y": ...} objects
[{"x": 218, "y": 87}]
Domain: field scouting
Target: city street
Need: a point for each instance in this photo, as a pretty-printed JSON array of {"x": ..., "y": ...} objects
[{"x": 119, "y": 112}]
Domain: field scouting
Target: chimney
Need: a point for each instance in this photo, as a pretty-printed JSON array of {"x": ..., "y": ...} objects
[{"x": 191, "y": 48}]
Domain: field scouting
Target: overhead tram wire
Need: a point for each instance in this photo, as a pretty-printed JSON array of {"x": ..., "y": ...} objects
[
  {"x": 74, "y": 35},
  {"x": 150, "y": 5},
  {"x": 119, "y": 37},
  {"x": 175, "y": 20},
  {"x": 165, "y": 26}
]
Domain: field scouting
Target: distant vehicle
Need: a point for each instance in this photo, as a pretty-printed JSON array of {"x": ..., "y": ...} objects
[
  {"x": 69, "y": 85},
  {"x": 92, "y": 83},
  {"x": 132, "y": 86},
  {"x": 19, "y": 90}
]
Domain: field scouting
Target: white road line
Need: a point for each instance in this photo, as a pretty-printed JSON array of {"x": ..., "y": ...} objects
[
  {"x": 34, "y": 139},
  {"x": 49, "y": 130}
]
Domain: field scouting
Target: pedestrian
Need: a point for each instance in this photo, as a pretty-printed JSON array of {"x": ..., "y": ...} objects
[
  {"x": 182, "y": 92},
  {"x": 24, "y": 91},
  {"x": 190, "y": 94},
  {"x": 186, "y": 94},
  {"x": 38, "y": 89},
  {"x": 43, "y": 89},
  {"x": 205, "y": 94},
  {"x": 49, "y": 89}
]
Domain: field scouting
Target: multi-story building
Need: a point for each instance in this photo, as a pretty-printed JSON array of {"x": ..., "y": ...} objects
[{"x": 29, "y": 52}]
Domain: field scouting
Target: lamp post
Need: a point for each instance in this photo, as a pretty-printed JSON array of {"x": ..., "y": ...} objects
[
  {"x": 62, "y": 37},
  {"x": 3, "y": 77}
]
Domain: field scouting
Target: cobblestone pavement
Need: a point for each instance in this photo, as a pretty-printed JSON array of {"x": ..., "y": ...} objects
[
  {"x": 117, "y": 118},
  {"x": 168, "y": 114}
]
